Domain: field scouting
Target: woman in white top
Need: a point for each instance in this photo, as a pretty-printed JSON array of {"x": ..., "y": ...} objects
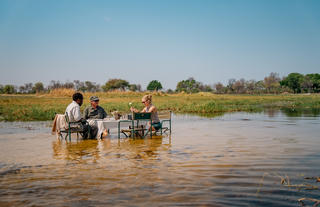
[{"x": 147, "y": 101}]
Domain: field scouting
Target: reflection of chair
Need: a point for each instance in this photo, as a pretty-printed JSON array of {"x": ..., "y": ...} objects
[
  {"x": 137, "y": 130},
  {"x": 72, "y": 127}
]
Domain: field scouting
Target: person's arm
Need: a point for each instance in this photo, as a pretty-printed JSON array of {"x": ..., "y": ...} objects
[
  {"x": 144, "y": 110},
  {"x": 85, "y": 113},
  {"x": 134, "y": 110},
  {"x": 104, "y": 114}
]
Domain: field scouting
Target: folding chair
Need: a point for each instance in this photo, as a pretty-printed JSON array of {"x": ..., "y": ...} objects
[
  {"x": 138, "y": 130},
  {"x": 73, "y": 127}
]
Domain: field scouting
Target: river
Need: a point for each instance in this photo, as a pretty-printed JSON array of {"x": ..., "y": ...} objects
[{"x": 236, "y": 159}]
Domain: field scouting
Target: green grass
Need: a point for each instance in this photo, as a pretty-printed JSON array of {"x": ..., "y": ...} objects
[{"x": 44, "y": 107}]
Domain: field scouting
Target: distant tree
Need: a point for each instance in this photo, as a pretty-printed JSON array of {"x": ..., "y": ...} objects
[
  {"x": 54, "y": 85},
  {"x": 190, "y": 86},
  {"x": 220, "y": 88},
  {"x": 239, "y": 86},
  {"x": 1, "y": 88},
  {"x": 154, "y": 86},
  {"x": 135, "y": 87},
  {"x": 9, "y": 89},
  {"x": 315, "y": 79},
  {"x": 293, "y": 81},
  {"x": 205, "y": 88},
  {"x": 272, "y": 83},
  {"x": 259, "y": 87},
  {"x": 170, "y": 91},
  {"x": 92, "y": 86},
  {"x": 79, "y": 86},
  {"x": 26, "y": 88},
  {"x": 250, "y": 86},
  {"x": 38, "y": 87},
  {"x": 68, "y": 85},
  {"x": 306, "y": 84},
  {"x": 115, "y": 84},
  {"x": 230, "y": 85},
  {"x": 22, "y": 89}
]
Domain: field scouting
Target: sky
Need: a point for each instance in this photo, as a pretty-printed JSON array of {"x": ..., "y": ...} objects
[{"x": 168, "y": 40}]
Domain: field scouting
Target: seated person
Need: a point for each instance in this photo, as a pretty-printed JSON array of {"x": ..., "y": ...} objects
[
  {"x": 94, "y": 111},
  {"x": 147, "y": 101},
  {"x": 74, "y": 114}
]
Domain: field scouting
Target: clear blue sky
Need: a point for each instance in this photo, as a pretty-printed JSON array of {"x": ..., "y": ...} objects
[{"x": 214, "y": 40}]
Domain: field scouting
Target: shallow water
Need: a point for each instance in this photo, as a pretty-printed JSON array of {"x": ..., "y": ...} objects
[{"x": 238, "y": 159}]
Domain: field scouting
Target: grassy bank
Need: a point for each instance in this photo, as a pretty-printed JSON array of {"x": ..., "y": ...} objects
[{"x": 45, "y": 106}]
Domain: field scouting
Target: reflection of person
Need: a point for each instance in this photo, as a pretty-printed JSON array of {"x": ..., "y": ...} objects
[
  {"x": 94, "y": 111},
  {"x": 82, "y": 151},
  {"x": 74, "y": 114},
  {"x": 147, "y": 101}
]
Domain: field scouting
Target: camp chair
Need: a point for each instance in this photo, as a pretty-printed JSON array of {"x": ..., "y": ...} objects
[
  {"x": 73, "y": 127},
  {"x": 137, "y": 130},
  {"x": 165, "y": 117}
]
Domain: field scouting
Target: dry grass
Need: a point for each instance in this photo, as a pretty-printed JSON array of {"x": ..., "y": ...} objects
[{"x": 44, "y": 106}]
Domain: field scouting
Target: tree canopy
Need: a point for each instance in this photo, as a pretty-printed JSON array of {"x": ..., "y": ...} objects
[
  {"x": 154, "y": 86},
  {"x": 115, "y": 84}
]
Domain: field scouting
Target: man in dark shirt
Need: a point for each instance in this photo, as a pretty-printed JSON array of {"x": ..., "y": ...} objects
[{"x": 94, "y": 111}]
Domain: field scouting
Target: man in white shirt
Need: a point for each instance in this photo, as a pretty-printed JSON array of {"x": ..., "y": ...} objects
[
  {"x": 73, "y": 109},
  {"x": 74, "y": 113}
]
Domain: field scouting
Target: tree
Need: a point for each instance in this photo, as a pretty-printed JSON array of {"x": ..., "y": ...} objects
[
  {"x": 315, "y": 80},
  {"x": 1, "y": 88},
  {"x": 135, "y": 87},
  {"x": 92, "y": 86},
  {"x": 154, "y": 86},
  {"x": 38, "y": 87},
  {"x": 9, "y": 89},
  {"x": 272, "y": 83},
  {"x": 79, "y": 86},
  {"x": 293, "y": 81},
  {"x": 239, "y": 86},
  {"x": 220, "y": 88},
  {"x": 230, "y": 85},
  {"x": 250, "y": 86},
  {"x": 114, "y": 84},
  {"x": 190, "y": 86}
]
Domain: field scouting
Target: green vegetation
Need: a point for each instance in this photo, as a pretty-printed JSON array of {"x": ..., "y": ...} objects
[
  {"x": 44, "y": 107},
  {"x": 154, "y": 86}
]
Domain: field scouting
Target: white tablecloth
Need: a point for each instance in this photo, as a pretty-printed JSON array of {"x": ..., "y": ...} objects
[{"x": 109, "y": 124}]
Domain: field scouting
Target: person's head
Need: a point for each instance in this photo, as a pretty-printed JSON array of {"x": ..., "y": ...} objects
[
  {"x": 94, "y": 100},
  {"x": 77, "y": 97},
  {"x": 147, "y": 100}
]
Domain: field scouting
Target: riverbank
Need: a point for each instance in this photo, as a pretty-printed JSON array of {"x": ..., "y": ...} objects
[{"x": 41, "y": 107}]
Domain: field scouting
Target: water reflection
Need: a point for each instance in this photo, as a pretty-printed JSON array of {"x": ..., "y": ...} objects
[
  {"x": 84, "y": 151},
  {"x": 296, "y": 112},
  {"x": 80, "y": 151}
]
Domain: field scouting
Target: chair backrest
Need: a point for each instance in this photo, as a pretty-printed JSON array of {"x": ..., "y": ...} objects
[
  {"x": 141, "y": 116},
  {"x": 67, "y": 117}
]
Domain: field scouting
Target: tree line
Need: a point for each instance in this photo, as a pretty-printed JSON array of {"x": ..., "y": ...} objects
[{"x": 293, "y": 83}]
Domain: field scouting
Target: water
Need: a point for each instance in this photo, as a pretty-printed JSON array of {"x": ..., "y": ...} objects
[{"x": 237, "y": 159}]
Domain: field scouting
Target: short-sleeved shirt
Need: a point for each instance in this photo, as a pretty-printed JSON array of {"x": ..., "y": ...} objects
[
  {"x": 73, "y": 111},
  {"x": 94, "y": 113}
]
